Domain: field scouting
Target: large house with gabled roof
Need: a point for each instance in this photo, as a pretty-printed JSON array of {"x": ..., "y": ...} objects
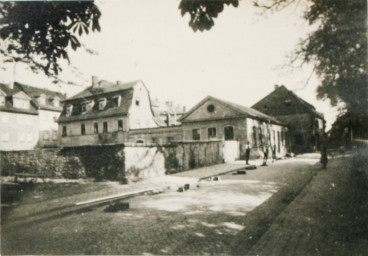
[
  {"x": 104, "y": 113},
  {"x": 305, "y": 123}
]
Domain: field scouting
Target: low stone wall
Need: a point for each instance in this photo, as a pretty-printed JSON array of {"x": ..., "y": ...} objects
[
  {"x": 115, "y": 162},
  {"x": 188, "y": 155},
  {"x": 50, "y": 163}
]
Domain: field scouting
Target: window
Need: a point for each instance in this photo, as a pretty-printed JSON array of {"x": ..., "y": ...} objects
[
  {"x": 83, "y": 129},
  {"x": 260, "y": 136},
  {"x": 116, "y": 101},
  {"x": 120, "y": 124},
  {"x": 139, "y": 141},
  {"x": 229, "y": 133},
  {"x": 195, "y": 134},
  {"x": 42, "y": 99},
  {"x": 20, "y": 103},
  {"x": 64, "y": 134},
  {"x": 84, "y": 107},
  {"x": 95, "y": 127},
  {"x": 69, "y": 110},
  {"x": 170, "y": 139},
  {"x": 210, "y": 108},
  {"x": 137, "y": 102},
  {"x": 155, "y": 140},
  {"x": 101, "y": 103},
  {"x": 211, "y": 133},
  {"x": 105, "y": 128}
]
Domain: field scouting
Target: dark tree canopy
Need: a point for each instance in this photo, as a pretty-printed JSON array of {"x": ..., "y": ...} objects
[
  {"x": 337, "y": 48},
  {"x": 39, "y": 33}
]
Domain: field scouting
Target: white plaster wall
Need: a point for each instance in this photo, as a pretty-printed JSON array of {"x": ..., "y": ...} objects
[
  {"x": 141, "y": 116},
  {"x": 18, "y": 131},
  {"x": 47, "y": 120}
]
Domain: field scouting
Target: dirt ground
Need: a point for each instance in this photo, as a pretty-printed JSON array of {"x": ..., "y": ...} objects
[{"x": 203, "y": 220}]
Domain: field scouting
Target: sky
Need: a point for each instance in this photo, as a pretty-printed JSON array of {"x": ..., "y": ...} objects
[{"x": 239, "y": 60}]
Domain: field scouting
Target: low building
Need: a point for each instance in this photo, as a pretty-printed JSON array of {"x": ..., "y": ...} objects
[
  {"x": 215, "y": 119},
  {"x": 104, "y": 113},
  {"x": 19, "y": 119},
  {"x": 306, "y": 125}
]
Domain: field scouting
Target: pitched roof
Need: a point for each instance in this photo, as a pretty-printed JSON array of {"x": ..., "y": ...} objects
[
  {"x": 241, "y": 110},
  {"x": 35, "y": 93},
  {"x": 285, "y": 102},
  {"x": 8, "y": 107},
  {"x": 110, "y": 109},
  {"x": 104, "y": 87}
]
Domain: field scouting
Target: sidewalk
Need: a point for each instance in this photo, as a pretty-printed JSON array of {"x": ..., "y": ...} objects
[{"x": 329, "y": 216}]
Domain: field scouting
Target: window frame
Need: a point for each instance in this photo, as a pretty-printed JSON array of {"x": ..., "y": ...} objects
[
  {"x": 83, "y": 129},
  {"x": 233, "y": 132},
  {"x": 210, "y": 135},
  {"x": 196, "y": 136},
  {"x": 105, "y": 127}
]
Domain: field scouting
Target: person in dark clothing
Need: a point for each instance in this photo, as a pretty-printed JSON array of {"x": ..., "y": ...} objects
[
  {"x": 324, "y": 158},
  {"x": 247, "y": 153}
]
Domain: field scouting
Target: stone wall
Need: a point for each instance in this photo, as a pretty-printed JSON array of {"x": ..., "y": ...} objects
[
  {"x": 49, "y": 163},
  {"x": 115, "y": 162},
  {"x": 188, "y": 155}
]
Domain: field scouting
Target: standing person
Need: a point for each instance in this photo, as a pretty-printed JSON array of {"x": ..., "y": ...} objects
[
  {"x": 274, "y": 153},
  {"x": 247, "y": 153},
  {"x": 324, "y": 158},
  {"x": 265, "y": 156}
]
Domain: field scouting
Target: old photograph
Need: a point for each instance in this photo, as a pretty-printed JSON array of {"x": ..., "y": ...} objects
[{"x": 184, "y": 127}]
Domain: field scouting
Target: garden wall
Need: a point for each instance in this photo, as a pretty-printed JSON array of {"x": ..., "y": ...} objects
[{"x": 115, "y": 162}]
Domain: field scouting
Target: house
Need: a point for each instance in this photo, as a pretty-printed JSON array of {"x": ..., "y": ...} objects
[
  {"x": 236, "y": 125},
  {"x": 49, "y": 108},
  {"x": 28, "y": 116},
  {"x": 19, "y": 123},
  {"x": 104, "y": 113},
  {"x": 306, "y": 125}
]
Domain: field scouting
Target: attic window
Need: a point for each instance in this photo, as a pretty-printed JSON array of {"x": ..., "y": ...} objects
[
  {"x": 116, "y": 101},
  {"x": 56, "y": 102},
  {"x": 101, "y": 103},
  {"x": 287, "y": 102},
  {"x": 211, "y": 108},
  {"x": 69, "y": 110},
  {"x": 2, "y": 100},
  {"x": 137, "y": 102},
  {"x": 42, "y": 99}
]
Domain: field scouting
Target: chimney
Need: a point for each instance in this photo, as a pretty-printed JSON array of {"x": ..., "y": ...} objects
[
  {"x": 119, "y": 82},
  {"x": 276, "y": 86},
  {"x": 94, "y": 81},
  {"x": 184, "y": 109}
]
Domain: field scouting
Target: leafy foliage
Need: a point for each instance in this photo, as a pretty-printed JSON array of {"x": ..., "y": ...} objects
[
  {"x": 39, "y": 33},
  {"x": 337, "y": 48},
  {"x": 203, "y": 12}
]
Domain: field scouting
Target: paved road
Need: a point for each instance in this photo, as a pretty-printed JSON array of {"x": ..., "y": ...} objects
[{"x": 204, "y": 220}]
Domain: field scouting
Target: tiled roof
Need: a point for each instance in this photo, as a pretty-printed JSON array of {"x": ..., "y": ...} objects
[
  {"x": 34, "y": 93},
  {"x": 8, "y": 107},
  {"x": 104, "y": 87},
  {"x": 284, "y": 102},
  {"x": 109, "y": 110},
  {"x": 240, "y": 110}
]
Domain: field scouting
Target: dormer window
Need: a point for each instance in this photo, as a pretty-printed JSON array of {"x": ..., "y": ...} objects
[
  {"x": 116, "y": 101},
  {"x": 137, "y": 101},
  {"x": 69, "y": 109},
  {"x": 101, "y": 103},
  {"x": 56, "y": 102},
  {"x": 87, "y": 106},
  {"x": 42, "y": 99}
]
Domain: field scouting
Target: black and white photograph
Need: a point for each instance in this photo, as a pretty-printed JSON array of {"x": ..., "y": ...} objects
[{"x": 184, "y": 127}]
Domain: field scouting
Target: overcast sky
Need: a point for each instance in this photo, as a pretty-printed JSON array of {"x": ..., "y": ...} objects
[{"x": 239, "y": 60}]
